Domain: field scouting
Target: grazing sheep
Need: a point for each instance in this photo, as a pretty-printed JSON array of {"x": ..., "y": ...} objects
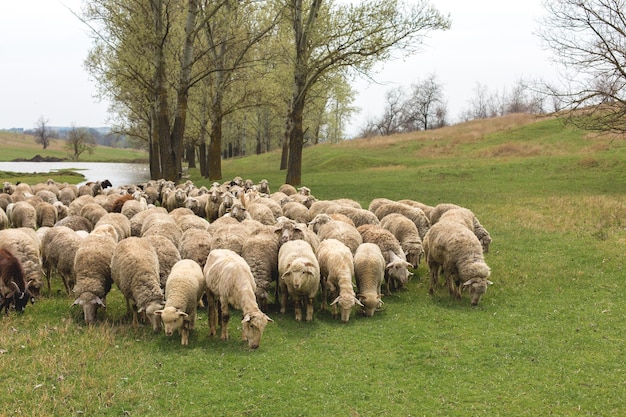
[
  {"x": 46, "y": 214},
  {"x": 58, "y": 250},
  {"x": 137, "y": 221},
  {"x": 163, "y": 225},
  {"x": 119, "y": 201},
  {"x": 273, "y": 205},
  {"x": 183, "y": 290},
  {"x": 4, "y": 220},
  {"x": 13, "y": 286},
  {"x": 191, "y": 221},
  {"x": 47, "y": 196},
  {"x": 414, "y": 214},
  {"x": 407, "y": 234},
  {"x": 23, "y": 214},
  {"x": 296, "y": 211},
  {"x": 92, "y": 268},
  {"x": 290, "y": 230},
  {"x": 342, "y": 231},
  {"x": 118, "y": 221},
  {"x": 439, "y": 210},
  {"x": 230, "y": 281},
  {"x": 76, "y": 223},
  {"x": 288, "y": 189},
  {"x": 298, "y": 277},
  {"x": 135, "y": 271},
  {"x": 323, "y": 206},
  {"x": 67, "y": 195},
  {"x": 262, "y": 212},
  {"x": 231, "y": 236},
  {"x": 467, "y": 218},
  {"x": 425, "y": 207},
  {"x": 24, "y": 244},
  {"x": 396, "y": 269},
  {"x": 369, "y": 272},
  {"x": 376, "y": 203},
  {"x": 260, "y": 251},
  {"x": 62, "y": 210},
  {"x": 167, "y": 253},
  {"x": 336, "y": 271},
  {"x": 195, "y": 245},
  {"x": 92, "y": 212},
  {"x": 306, "y": 200},
  {"x": 455, "y": 248},
  {"x": 358, "y": 216},
  {"x": 132, "y": 207}
]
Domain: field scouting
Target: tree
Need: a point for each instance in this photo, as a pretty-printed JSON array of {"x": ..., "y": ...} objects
[
  {"x": 328, "y": 37},
  {"x": 79, "y": 140},
  {"x": 589, "y": 39},
  {"x": 42, "y": 132},
  {"x": 425, "y": 104}
]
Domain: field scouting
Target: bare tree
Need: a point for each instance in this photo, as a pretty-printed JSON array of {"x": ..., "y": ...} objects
[
  {"x": 422, "y": 106},
  {"x": 79, "y": 140},
  {"x": 42, "y": 132},
  {"x": 390, "y": 122},
  {"x": 588, "y": 38}
]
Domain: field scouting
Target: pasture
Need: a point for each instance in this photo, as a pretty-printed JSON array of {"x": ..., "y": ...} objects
[{"x": 546, "y": 339}]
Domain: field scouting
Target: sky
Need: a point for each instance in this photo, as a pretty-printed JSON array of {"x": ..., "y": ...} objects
[{"x": 43, "y": 47}]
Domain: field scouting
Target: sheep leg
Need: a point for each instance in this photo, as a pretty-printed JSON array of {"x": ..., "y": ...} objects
[
  {"x": 212, "y": 310},
  {"x": 298, "y": 308},
  {"x": 309, "y": 309},
  {"x": 283, "y": 299},
  {"x": 224, "y": 320}
]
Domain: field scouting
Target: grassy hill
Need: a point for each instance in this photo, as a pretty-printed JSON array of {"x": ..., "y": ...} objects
[{"x": 546, "y": 339}]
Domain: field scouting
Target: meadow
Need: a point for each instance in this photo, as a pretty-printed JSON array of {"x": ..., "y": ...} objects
[{"x": 546, "y": 339}]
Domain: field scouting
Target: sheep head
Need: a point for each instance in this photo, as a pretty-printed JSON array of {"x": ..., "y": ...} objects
[
  {"x": 90, "y": 303},
  {"x": 253, "y": 325},
  {"x": 173, "y": 319}
]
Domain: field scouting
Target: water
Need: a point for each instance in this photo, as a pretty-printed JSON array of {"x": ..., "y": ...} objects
[{"x": 118, "y": 173}]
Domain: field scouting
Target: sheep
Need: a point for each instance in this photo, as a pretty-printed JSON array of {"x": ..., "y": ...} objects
[
  {"x": 67, "y": 195},
  {"x": 92, "y": 268},
  {"x": 62, "y": 210},
  {"x": 261, "y": 212},
  {"x": 5, "y": 200},
  {"x": 164, "y": 225},
  {"x": 132, "y": 207},
  {"x": 369, "y": 272},
  {"x": 260, "y": 251},
  {"x": 455, "y": 248},
  {"x": 174, "y": 199},
  {"x": 342, "y": 231},
  {"x": 4, "y": 220},
  {"x": 76, "y": 223},
  {"x": 13, "y": 286},
  {"x": 273, "y": 205},
  {"x": 296, "y": 211},
  {"x": 191, "y": 221},
  {"x": 264, "y": 187},
  {"x": 167, "y": 253},
  {"x": 23, "y": 242},
  {"x": 23, "y": 214},
  {"x": 407, "y": 234},
  {"x": 228, "y": 279},
  {"x": 119, "y": 201},
  {"x": 195, "y": 245},
  {"x": 336, "y": 271},
  {"x": 58, "y": 250},
  {"x": 376, "y": 203},
  {"x": 135, "y": 271},
  {"x": 137, "y": 221},
  {"x": 306, "y": 200},
  {"x": 290, "y": 230},
  {"x": 238, "y": 211},
  {"x": 298, "y": 277},
  {"x": 198, "y": 204},
  {"x": 439, "y": 209},
  {"x": 213, "y": 203},
  {"x": 179, "y": 212},
  {"x": 396, "y": 268},
  {"x": 466, "y": 217},
  {"x": 47, "y": 196},
  {"x": 228, "y": 199},
  {"x": 288, "y": 189},
  {"x": 118, "y": 221},
  {"x": 415, "y": 214},
  {"x": 358, "y": 216},
  {"x": 184, "y": 288},
  {"x": 92, "y": 212},
  {"x": 424, "y": 207},
  {"x": 230, "y": 237}
]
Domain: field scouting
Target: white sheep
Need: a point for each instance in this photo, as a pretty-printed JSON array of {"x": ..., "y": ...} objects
[
  {"x": 92, "y": 212},
  {"x": 298, "y": 276},
  {"x": 195, "y": 245},
  {"x": 92, "y": 268},
  {"x": 336, "y": 271},
  {"x": 407, "y": 234},
  {"x": 118, "y": 221},
  {"x": 184, "y": 288},
  {"x": 174, "y": 199},
  {"x": 4, "y": 219},
  {"x": 135, "y": 271},
  {"x": 167, "y": 253},
  {"x": 229, "y": 280},
  {"x": 296, "y": 211},
  {"x": 369, "y": 271},
  {"x": 455, "y": 248},
  {"x": 416, "y": 215},
  {"x": 396, "y": 269},
  {"x": 466, "y": 217},
  {"x": 58, "y": 250},
  {"x": 23, "y": 214},
  {"x": 46, "y": 213},
  {"x": 260, "y": 251},
  {"x": 342, "y": 231},
  {"x": 76, "y": 223}
]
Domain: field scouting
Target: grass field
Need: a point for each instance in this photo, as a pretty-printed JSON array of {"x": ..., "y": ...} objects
[{"x": 546, "y": 339}]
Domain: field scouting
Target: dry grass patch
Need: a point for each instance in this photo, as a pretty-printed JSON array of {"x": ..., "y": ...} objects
[{"x": 514, "y": 150}]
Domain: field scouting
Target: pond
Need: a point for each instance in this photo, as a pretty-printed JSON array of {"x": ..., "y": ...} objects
[{"x": 117, "y": 173}]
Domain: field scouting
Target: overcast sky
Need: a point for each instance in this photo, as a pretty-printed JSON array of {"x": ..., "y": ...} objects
[{"x": 43, "y": 46}]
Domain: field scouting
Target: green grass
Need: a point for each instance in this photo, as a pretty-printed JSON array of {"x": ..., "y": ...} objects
[{"x": 546, "y": 339}]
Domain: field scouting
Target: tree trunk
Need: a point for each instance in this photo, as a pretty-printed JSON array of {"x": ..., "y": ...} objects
[
  {"x": 285, "y": 153},
  {"x": 202, "y": 156},
  {"x": 294, "y": 164},
  {"x": 215, "y": 148},
  {"x": 190, "y": 153},
  {"x": 153, "y": 150}
]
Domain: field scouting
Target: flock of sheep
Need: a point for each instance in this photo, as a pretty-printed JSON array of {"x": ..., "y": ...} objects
[{"x": 172, "y": 248}]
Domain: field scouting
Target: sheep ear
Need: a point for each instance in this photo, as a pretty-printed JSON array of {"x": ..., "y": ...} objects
[
  {"x": 141, "y": 310},
  {"x": 358, "y": 302},
  {"x": 180, "y": 313},
  {"x": 489, "y": 282},
  {"x": 467, "y": 283},
  {"x": 246, "y": 319},
  {"x": 99, "y": 302},
  {"x": 335, "y": 302},
  {"x": 158, "y": 312},
  {"x": 76, "y": 302},
  {"x": 269, "y": 318}
]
